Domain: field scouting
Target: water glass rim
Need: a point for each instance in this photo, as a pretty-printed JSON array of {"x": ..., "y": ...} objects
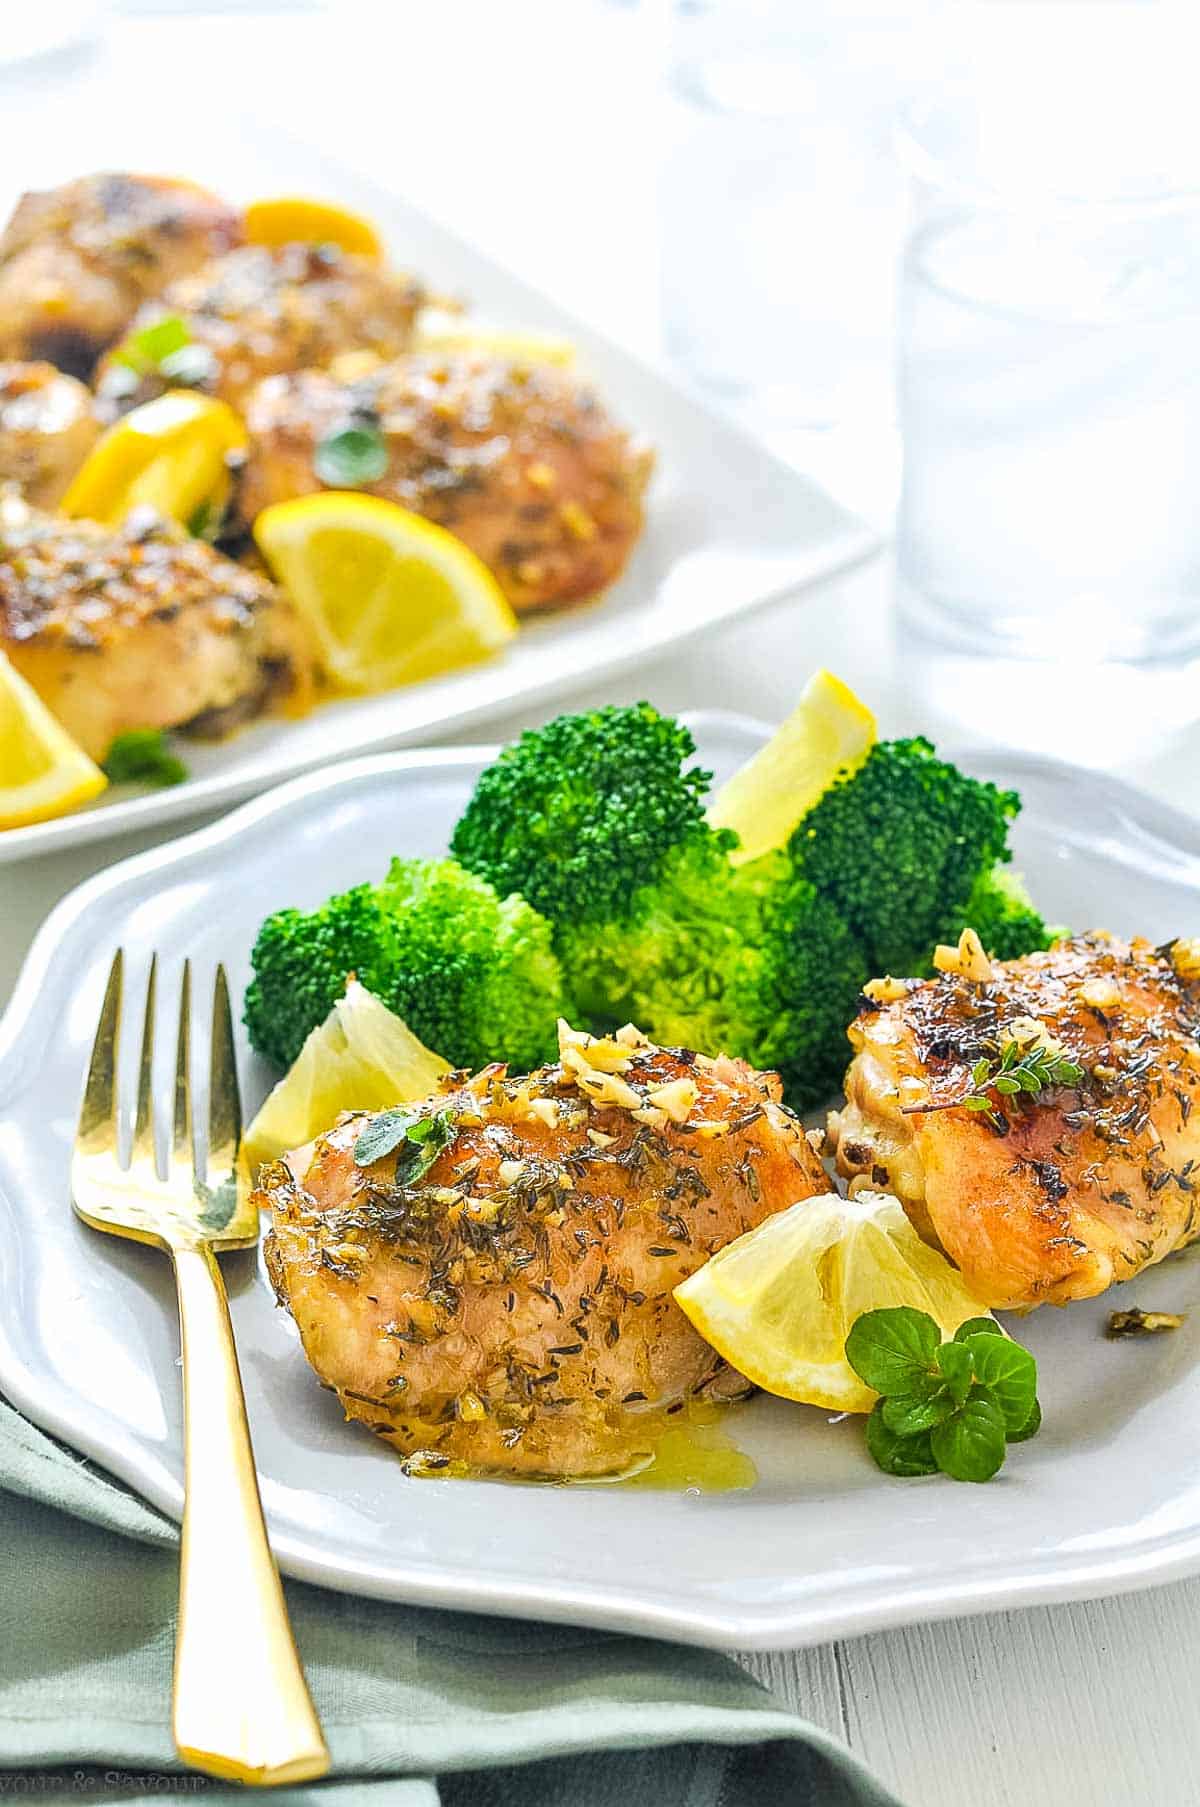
[{"x": 936, "y": 171}]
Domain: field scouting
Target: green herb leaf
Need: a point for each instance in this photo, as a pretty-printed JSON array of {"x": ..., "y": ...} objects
[
  {"x": 969, "y": 1445},
  {"x": 1009, "y": 1373},
  {"x": 420, "y": 1137},
  {"x": 893, "y": 1350},
  {"x": 145, "y": 350},
  {"x": 1014, "y": 1070},
  {"x": 951, "y": 1405},
  {"x": 205, "y": 522},
  {"x": 351, "y": 456},
  {"x": 423, "y": 1129},
  {"x": 906, "y": 1416},
  {"x": 957, "y": 1368},
  {"x": 1031, "y": 1426},
  {"x": 977, "y": 1327},
  {"x": 142, "y": 756},
  {"x": 898, "y": 1455},
  {"x": 217, "y": 1203}
]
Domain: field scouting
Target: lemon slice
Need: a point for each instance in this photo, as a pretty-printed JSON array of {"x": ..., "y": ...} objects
[
  {"x": 778, "y": 1303},
  {"x": 390, "y": 597},
  {"x": 42, "y": 771},
  {"x": 445, "y": 332},
  {"x": 363, "y": 1057},
  {"x": 170, "y": 454},
  {"x": 298, "y": 220},
  {"x": 829, "y": 731}
]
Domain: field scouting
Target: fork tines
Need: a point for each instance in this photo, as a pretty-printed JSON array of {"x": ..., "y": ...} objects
[{"x": 99, "y": 1117}]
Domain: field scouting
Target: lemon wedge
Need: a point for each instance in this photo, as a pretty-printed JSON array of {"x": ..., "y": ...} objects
[
  {"x": 299, "y": 220},
  {"x": 171, "y": 454},
  {"x": 778, "y": 1303},
  {"x": 390, "y": 597},
  {"x": 42, "y": 771},
  {"x": 445, "y": 332},
  {"x": 362, "y": 1057},
  {"x": 829, "y": 731}
]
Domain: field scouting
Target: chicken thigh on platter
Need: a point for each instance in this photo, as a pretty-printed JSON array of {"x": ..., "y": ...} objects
[
  {"x": 260, "y": 311},
  {"x": 507, "y": 1306},
  {"x": 142, "y": 627},
  {"x": 48, "y": 426},
  {"x": 1039, "y": 1195},
  {"x": 519, "y": 460},
  {"x": 76, "y": 262}
]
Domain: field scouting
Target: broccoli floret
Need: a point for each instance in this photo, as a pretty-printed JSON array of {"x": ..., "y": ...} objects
[
  {"x": 664, "y": 959},
  {"x": 740, "y": 960},
  {"x": 898, "y": 847},
  {"x": 596, "y": 821},
  {"x": 575, "y": 816},
  {"x": 1003, "y": 915},
  {"x": 301, "y": 962},
  {"x": 812, "y": 968},
  {"x": 474, "y": 975}
]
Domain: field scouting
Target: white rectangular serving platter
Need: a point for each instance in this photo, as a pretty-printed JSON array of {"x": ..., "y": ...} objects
[
  {"x": 730, "y": 528},
  {"x": 1106, "y": 1497}
]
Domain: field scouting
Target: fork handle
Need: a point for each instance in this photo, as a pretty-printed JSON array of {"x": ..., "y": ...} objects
[{"x": 242, "y": 1709}]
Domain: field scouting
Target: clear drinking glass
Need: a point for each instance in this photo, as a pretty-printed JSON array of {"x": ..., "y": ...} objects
[
  {"x": 781, "y": 207},
  {"x": 1049, "y": 378}
]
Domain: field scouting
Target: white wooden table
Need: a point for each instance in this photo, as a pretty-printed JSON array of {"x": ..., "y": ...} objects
[{"x": 1088, "y": 1704}]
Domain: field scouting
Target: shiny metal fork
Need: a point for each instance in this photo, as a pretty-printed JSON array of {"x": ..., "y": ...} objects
[{"x": 242, "y": 1709}]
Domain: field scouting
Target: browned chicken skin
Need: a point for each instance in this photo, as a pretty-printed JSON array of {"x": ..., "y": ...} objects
[
  {"x": 520, "y": 461},
  {"x": 512, "y": 1310},
  {"x": 47, "y": 428},
  {"x": 141, "y": 627},
  {"x": 1066, "y": 1193},
  {"x": 77, "y": 261},
  {"x": 258, "y": 312}
]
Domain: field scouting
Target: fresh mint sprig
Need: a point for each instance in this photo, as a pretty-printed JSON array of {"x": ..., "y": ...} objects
[{"x": 949, "y": 1406}]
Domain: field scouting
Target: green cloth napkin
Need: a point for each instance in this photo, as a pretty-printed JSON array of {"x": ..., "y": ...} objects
[{"x": 421, "y": 1709}]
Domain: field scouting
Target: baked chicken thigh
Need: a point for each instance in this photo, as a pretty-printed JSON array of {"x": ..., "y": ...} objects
[
  {"x": 47, "y": 428},
  {"x": 510, "y": 1308},
  {"x": 1042, "y": 1196},
  {"x": 260, "y": 311},
  {"x": 521, "y": 461},
  {"x": 76, "y": 262},
  {"x": 142, "y": 627}
]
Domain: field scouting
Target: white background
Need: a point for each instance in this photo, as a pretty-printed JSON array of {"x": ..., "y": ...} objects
[{"x": 534, "y": 127}]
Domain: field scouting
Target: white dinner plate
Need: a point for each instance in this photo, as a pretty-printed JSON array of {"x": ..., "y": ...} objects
[
  {"x": 1106, "y": 1497},
  {"x": 729, "y": 527}
]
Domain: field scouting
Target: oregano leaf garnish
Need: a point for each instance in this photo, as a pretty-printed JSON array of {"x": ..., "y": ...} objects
[
  {"x": 893, "y": 1351},
  {"x": 896, "y": 1454},
  {"x": 143, "y": 756},
  {"x": 953, "y": 1405},
  {"x": 969, "y": 1445},
  {"x": 146, "y": 350},
  {"x": 351, "y": 456},
  {"x": 419, "y": 1135}
]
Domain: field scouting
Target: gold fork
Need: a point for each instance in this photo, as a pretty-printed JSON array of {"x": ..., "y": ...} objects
[{"x": 242, "y": 1709}]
